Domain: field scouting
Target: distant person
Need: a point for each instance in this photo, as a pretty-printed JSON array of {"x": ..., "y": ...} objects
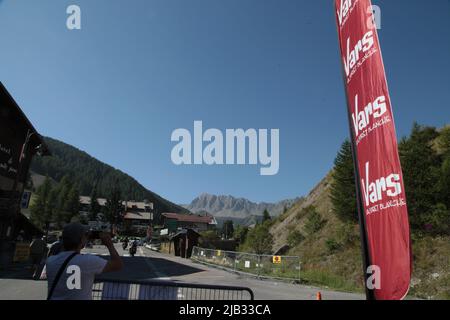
[
  {"x": 38, "y": 249},
  {"x": 125, "y": 243},
  {"x": 70, "y": 261},
  {"x": 133, "y": 248}
]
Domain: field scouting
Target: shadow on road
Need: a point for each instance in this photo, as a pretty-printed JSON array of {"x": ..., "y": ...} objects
[
  {"x": 142, "y": 268},
  {"x": 135, "y": 268},
  {"x": 20, "y": 271}
]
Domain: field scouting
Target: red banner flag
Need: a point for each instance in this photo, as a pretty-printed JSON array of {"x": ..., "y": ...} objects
[{"x": 379, "y": 175}]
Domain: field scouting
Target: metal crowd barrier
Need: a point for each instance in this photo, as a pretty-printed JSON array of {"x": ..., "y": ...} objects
[
  {"x": 166, "y": 290},
  {"x": 258, "y": 265}
]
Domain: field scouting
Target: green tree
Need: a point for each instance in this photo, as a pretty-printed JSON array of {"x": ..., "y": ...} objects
[
  {"x": 43, "y": 207},
  {"x": 443, "y": 141},
  {"x": 444, "y": 183},
  {"x": 114, "y": 208},
  {"x": 72, "y": 205},
  {"x": 314, "y": 221},
  {"x": 87, "y": 172},
  {"x": 228, "y": 229},
  {"x": 208, "y": 239},
  {"x": 421, "y": 171},
  {"x": 443, "y": 149},
  {"x": 94, "y": 207},
  {"x": 51, "y": 206},
  {"x": 437, "y": 222},
  {"x": 266, "y": 216},
  {"x": 240, "y": 233},
  {"x": 343, "y": 189},
  {"x": 259, "y": 239},
  {"x": 62, "y": 190}
]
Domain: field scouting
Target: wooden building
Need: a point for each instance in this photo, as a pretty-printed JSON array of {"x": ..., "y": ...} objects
[
  {"x": 184, "y": 241},
  {"x": 19, "y": 143},
  {"x": 174, "y": 221}
]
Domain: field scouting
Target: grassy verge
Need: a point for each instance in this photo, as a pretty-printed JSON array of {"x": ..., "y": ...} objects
[{"x": 325, "y": 279}]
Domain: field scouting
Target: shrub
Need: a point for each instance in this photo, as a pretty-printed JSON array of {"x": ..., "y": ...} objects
[
  {"x": 346, "y": 234},
  {"x": 259, "y": 239},
  {"x": 438, "y": 220},
  {"x": 295, "y": 238},
  {"x": 314, "y": 222},
  {"x": 332, "y": 245}
]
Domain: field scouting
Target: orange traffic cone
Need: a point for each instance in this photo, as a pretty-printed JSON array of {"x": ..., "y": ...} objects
[{"x": 318, "y": 296}]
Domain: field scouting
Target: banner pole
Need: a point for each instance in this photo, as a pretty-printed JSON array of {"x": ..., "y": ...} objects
[
  {"x": 361, "y": 213},
  {"x": 359, "y": 204}
]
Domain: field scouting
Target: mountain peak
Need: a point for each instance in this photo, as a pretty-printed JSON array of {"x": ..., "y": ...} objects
[{"x": 234, "y": 207}]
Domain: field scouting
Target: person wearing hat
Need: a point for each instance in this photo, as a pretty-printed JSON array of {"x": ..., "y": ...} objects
[{"x": 70, "y": 274}]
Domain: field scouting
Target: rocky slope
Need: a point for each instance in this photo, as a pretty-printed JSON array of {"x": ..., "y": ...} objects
[{"x": 231, "y": 207}]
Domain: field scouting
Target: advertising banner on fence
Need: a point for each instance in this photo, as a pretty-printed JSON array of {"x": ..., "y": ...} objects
[{"x": 379, "y": 174}]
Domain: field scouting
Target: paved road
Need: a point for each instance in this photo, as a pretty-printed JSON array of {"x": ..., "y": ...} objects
[{"x": 156, "y": 266}]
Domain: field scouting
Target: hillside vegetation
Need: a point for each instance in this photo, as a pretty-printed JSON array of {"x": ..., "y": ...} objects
[
  {"x": 322, "y": 228},
  {"x": 88, "y": 173}
]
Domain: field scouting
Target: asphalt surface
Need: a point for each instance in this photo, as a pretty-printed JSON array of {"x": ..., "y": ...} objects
[{"x": 150, "y": 265}]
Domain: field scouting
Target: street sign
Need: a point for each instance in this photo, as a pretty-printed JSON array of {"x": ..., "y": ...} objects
[{"x": 276, "y": 259}]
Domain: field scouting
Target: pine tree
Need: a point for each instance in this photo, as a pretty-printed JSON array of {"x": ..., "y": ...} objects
[
  {"x": 314, "y": 221},
  {"x": 266, "y": 216},
  {"x": 72, "y": 205},
  {"x": 443, "y": 149},
  {"x": 259, "y": 239},
  {"x": 41, "y": 209},
  {"x": 113, "y": 208},
  {"x": 421, "y": 171},
  {"x": 240, "y": 233},
  {"x": 63, "y": 189},
  {"x": 343, "y": 189},
  {"x": 51, "y": 206},
  {"x": 228, "y": 229},
  {"x": 94, "y": 208}
]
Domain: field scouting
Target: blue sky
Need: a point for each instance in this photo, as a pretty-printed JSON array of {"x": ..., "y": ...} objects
[{"x": 140, "y": 69}]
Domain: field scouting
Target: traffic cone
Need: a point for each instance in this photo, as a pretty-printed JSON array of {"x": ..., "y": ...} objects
[{"x": 318, "y": 296}]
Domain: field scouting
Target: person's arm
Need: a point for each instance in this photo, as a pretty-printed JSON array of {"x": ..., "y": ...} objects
[{"x": 115, "y": 264}]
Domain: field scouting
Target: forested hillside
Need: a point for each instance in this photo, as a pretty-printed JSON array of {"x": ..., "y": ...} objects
[
  {"x": 323, "y": 229},
  {"x": 87, "y": 172}
]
